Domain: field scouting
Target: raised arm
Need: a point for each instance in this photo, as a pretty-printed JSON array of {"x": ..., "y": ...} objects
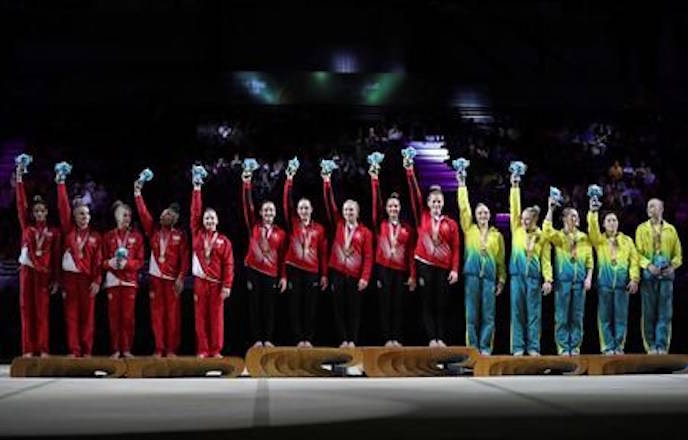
[
  {"x": 247, "y": 199},
  {"x": 330, "y": 203},
  {"x": 64, "y": 208},
  {"x": 594, "y": 228},
  {"x": 144, "y": 215},
  {"x": 465, "y": 214},
  {"x": 196, "y": 217},
  {"x": 377, "y": 199},
  {"x": 22, "y": 204},
  {"x": 287, "y": 202},
  {"x": 415, "y": 194},
  {"x": 515, "y": 206}
]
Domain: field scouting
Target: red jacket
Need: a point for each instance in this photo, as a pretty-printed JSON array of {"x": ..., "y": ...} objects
[
  {"x": 307, "y": 244},
  {"x": 176, "y": 259},
  {"x": 82, "y": 249},
  {"x": 267, "y": 246},
  {"x": 442, "y": 252},
  {"x": 357, "y": 260},
  {"x": 40, "y": 244},
  {"x": 395, "y": 254},
  {"x": 133, "y": 241},
  {"x": 220, "y": 267}
]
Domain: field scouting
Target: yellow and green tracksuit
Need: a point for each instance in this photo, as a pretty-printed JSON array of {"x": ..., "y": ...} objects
[
  {"x": 657, "y": 292},
  {"x": 613, "y": 274},
  {"x": 569, "y": 296},
  {"x": 526, "y": 269},
  {"x": 482, "y": 269}
]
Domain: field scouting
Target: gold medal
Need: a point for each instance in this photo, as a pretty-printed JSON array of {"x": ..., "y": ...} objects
[
  {"x": 39, "y": 252},
  {"x": 161, "y": 258}
]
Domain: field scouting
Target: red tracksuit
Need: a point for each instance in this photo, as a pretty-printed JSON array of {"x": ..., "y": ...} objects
[
  {"x": 266, "y": 247},
  {"x": 436, "y": 254},
  {"x": 169, "y": 260},
  {"x": 394, "y": 242},
  {"x": 356, "y": 261},
  {"x": 213, "y": 271},
  {"x": 81, "y": 267},
  {"x": 307, "y": 243},
  {"x": 121, "y": 286},
  {"x": 352, "y": 262},
  {"x": 440, "y": 251},
  {"x": 40, "y": 247}
]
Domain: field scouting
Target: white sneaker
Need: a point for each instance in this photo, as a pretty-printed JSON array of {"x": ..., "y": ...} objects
[
  {"x": 351, "y": 344},
  {"x": 433, "y": 343},
  {"x": 485, "y": 353},
  {"x": 441, "y": 343},
  {"x": 344, "y": 344},
  {"x": 533, "y": 353},
  {"x": 307, "y": 344},
  {"x": 389, "y": 343},
  {"x": 258, "y": 344},
  {"x": 518, "y": 353},
  {"x": 115, "y": 355},
  {"x": 609, "y": 352},
  {"x": 575, "y": 352},
  {"x": 268, "y": 344},
  {"x": 397, "y": 344},
  {"x": 652, "y": 351},
  {"x": 618, "y": 351},
  {"x": 662, "y": 351}
]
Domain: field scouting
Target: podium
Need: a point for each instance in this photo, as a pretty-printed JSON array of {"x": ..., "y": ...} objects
[
  {"x": 301, "y": 362},
  {"x": 418, "y": 361},
  {"x": 62, "y": 366}
]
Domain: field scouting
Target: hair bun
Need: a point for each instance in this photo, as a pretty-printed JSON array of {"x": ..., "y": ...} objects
[
  {"x": 536, "y": 208},
  {"x": 435, "y": 188},
  {"x": 117, "y": 204},
  {"x": 174, "y": 206},
  {"x": 394, "y": 195},
  {"x": 38, "y": 199}
]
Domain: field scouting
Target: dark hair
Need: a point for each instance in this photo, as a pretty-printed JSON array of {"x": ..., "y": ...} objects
[
  {"x": 435, "y": 189},
  {"x": 610, "y": 212},
  {"x": 78, "y": 202},
  {"x": 394, "y": 195},
  {"x": 38, "y": 200}
]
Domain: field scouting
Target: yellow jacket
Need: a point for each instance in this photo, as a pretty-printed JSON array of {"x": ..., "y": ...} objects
[
  {"x": 670, "y": 246},
  {"x": 490, "y": 265},
  {"x": 611, "y": 272},
  {"x": 566, "y": 267},
  {"x": 541, "y": 258}
]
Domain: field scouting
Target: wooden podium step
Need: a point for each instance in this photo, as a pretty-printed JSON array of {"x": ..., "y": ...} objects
[
  {"x": 183, "y": 366},
  {"x": 529, "y": 365},
  {"x": 417, "y": 361},
  {"x": 300, "y": 362},
  {"x": 60, "y": 366},
  {"x": 637, "y": 364}
]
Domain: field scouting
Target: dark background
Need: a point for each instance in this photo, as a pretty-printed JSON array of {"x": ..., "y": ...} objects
[{"x": 117, "y": 86}]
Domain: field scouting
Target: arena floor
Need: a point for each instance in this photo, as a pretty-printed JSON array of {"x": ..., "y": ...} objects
[{"x": 650, "y": 406}]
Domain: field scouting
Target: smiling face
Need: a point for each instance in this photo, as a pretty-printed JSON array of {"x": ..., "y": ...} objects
[
  {"x": 482, "y": 214},
  {"x": 393, "y": 208},
  {"x": 210, "y": 220},
  {"x": 40, "y": 212},
  {"x": 305, "y": 210},
  {"x": 350, "y": 211},
  {"x": 611, "y": 224},
  {"x": 168, "y": 217},
  {"x": 123, "y": 217},
  {"x": 267, "y": 213},
  {"x": 571, "y": 219},
  {"x": 655, "y": 209},
  {"x": 436, "y": 203},
  {"x": 82, "y": 216}
]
